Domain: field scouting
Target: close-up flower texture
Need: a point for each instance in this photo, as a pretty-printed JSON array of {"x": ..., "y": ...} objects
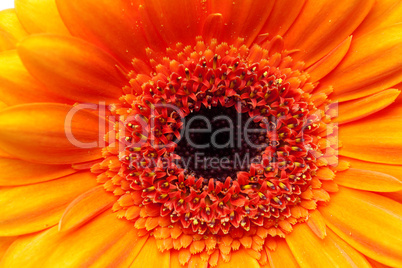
[{"x": 123, "y": 123}]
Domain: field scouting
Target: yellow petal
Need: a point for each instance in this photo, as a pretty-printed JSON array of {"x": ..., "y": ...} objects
[
  {"x": 103, "y": 242},
  {"x": 73, "y": 68},
  {"x": 51, "y": 133},
  {"x": 2, "y": 105},
  {"x": 40, "y": 16},
  {"x": 31, "y": 208},
  {"x": 19, "y": 172},
  {"x": 18, "y": 86},
  {"x": 6, "y": 42},
  {"x": 11, "y": 29}
]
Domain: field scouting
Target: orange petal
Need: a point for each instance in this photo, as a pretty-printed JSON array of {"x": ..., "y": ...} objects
[
  {"x": 392, "y": 111},
  {"x": 31, "y": 208},
  {"x": 18, "y": 86},
  {"x": 329, "y": 62},
  {"x": 197, "y": 262},
  {"x": 122, "y": 253},
  {"x": 40, "y": 16},
  {"x": 323, "y": 25},
  {"x": 43, "y": 138},
  {"x": 89, "y": 21},
  {"x": 330, "y": 186},
  {"x": 243, "y": 19},
  {"x": 175, "y": 21},
  {"x": 184, "y": 256},
  {"x": 367, "y": 180},
  {"x": 384, "y": 13},
  {"x": 6, "y": 42},
  {"x": 212, "y": 26},
  {"x": 153, "y": 37},
  {"x": 10, "y": 29},
  {"x": 5, "y": 243},
  {"x": 5, "y": 155},
  {"x": 150, "y": 256},
  {"x": 395, "y": 171},
  {"x": 73, "y": 68},
  {"x": 174, "y": 259},
  {"x": 371, "y": 224},
  {"x": 282, "y": 256},
  {"x": 151, "y": 223},
  {"x": 375, "y": 139},
  {"x": 2, "y": 105},
  {"x": 19, "y": 172},
  {"x": 103, "y": 242},
  {"x": 85, "y": 207},
  {"x": 372, "y": 65},
  {"x": 277, "y": 23},
  {"x": 239, "y": 259},
  {"x": 397, "y": 196},
  {"x": 375, "y": 264},
  {"x": 356, "y": 109},
  {"x": 317, "y": 224},
  {"x": 312, "y": 251}
]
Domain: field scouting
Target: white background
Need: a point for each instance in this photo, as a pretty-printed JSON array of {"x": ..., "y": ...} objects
[{"x": 4, "y": 4}]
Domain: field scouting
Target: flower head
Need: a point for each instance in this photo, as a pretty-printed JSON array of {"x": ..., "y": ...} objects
[{"x": 185, "y": 133}]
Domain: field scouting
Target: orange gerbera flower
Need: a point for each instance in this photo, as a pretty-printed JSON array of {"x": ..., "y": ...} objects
[{"x": 106, "y": 106}]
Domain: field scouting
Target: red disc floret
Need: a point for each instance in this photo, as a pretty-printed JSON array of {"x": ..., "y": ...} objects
[{"x": 266, "y": 86}]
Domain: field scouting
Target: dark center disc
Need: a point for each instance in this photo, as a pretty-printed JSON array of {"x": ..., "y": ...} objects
[{"x": 219, "y": 142}]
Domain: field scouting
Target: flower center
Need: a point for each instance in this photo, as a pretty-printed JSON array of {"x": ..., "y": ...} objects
[
  {"x": 219, "y": 142},
  {"x": 221, "y": 103}
]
